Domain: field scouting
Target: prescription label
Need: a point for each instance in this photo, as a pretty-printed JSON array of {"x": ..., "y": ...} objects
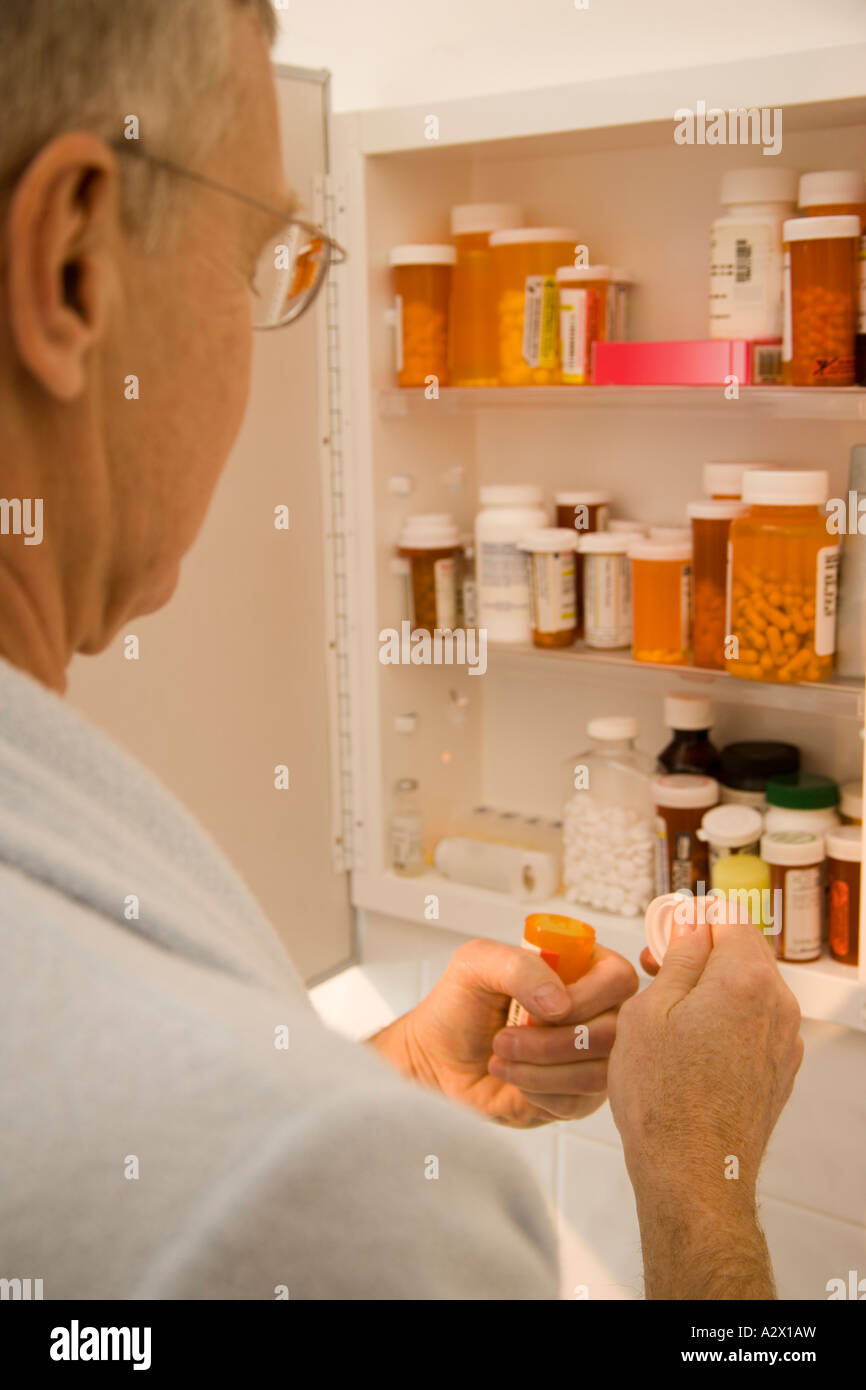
[
  {"x": 826, "y": 593},
  {"x": 503, "y": 579},
  {"x": 518, "y": 1017},
  {"x": 445, "y": 581},
  {"x": 802, "y": 926},
  {"x": 744, "y": 279},
  {"x": 552, "y": 592},
  {"x": 539, "y": 322}
]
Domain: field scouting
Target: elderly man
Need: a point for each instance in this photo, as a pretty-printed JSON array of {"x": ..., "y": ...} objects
[{"x": 157, "y": 1140}]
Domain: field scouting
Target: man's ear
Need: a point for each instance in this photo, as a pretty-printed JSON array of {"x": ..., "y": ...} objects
[{"x": 61, "y": 236}]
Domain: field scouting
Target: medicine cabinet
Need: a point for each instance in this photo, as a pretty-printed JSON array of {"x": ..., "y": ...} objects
[{"x": 599, "y": 157}]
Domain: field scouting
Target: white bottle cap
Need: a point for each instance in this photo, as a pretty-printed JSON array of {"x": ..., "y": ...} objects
[
  {"x": 422, "y": 254},
  {"x": 785, "y": 487},
  {"x": 845, "y": 843},
  {"x": 585, "y": 499},
  {"x": 511, "y": 495},
  {"x": 688, "y": 712},
  {"x": 685, "y": 790},
  {"x": 622, "y": 526},
  {"x": 519, "y": 235},
  {"x": 731, "y": 825},
  {"x": 613, "y": 727},
  {"x": 851, "y": 799},
  {"x": 428, "y": 531},
  {"x": 671, "y": 535},
  {"x": 467, "y": 218},
  {"x": 549, "y": 540},
  {"x": 607, "y": 542},
  {"x": 727, "y": 477},
  {"x": 583, "y": 272},
  {"x": 792, "y": 847},
  {"x": 834, "y": 186},
  {"x": 716, "y": 509},
  {"x": 658, "y": 550},
  {"x": 820, "y": 228},
  {"x": 767, "y": 184}
]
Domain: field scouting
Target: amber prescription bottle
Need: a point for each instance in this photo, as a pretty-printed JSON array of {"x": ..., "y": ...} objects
[
  {"x": 606, "y": 585},
  {"x": 829, "y": 192},
  {"x": 583, "y": 318},
  {"x": 551, "y": 585},
  {"x": 711, "y": 524},
  {"x": 565, "y": 943},
  {"x": 682, "y": 859},
  {"x": 473, "y": 345},
  {"x": 661, "y": 601},
  {"x": 822, "y": 259},
  {"x": 525, "y": 262},
  {"x": 422, "y": 283},
  {"x": 844, "y": 862},
  {"x": 783, "y": 579},
  {"x": 429, "y": 547},
  {"x": 584, "y": 512},
  {"x": 796, "y": 860}
]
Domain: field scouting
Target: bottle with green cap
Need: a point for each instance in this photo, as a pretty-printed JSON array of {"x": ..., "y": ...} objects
[{"x": 802, "y": 801}]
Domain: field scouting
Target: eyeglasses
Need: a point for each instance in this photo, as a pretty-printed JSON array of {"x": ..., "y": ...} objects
[{"x": 294, "y": 264}]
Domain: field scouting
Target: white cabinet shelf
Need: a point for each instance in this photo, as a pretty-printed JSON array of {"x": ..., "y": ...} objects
[
  {"x": 773, "y": 402},
  {"x": 837, "y": 697},
  {"x": 824, "y": 988}
]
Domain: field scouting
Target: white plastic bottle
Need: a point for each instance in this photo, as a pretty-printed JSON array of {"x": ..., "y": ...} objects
[
  {"x": 507, "y": 514},
  {"x": 746, "y": 253}
]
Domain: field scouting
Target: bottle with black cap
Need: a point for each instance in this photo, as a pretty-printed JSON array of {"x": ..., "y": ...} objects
[{"x": 747, "y": 767}]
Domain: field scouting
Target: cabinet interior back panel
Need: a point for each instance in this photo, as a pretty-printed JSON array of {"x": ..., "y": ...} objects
[{"x": 649, "y": 208}]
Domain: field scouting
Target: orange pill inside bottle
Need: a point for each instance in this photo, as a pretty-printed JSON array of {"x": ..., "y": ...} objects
[
  {"x": 422, "y": 284},
  {"x": 661, "y": 602}
]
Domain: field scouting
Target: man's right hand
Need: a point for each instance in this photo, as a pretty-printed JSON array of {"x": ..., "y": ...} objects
[{"x": 702, "y": 1066}]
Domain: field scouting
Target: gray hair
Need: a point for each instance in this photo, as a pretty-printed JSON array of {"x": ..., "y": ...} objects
[{"x": 90, "y": 64}]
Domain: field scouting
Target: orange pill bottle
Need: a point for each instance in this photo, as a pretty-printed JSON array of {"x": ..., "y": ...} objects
[
  {"x": 662, "y": 602},
  {"x": 822, "y": 268},
  {"x": 526, "y": 260},
  {"x": 422, "y": 284},
  {"x": 711, "y": 523},
  {"x": 474, "y": 352},
  {"x": 583, "y": 318},
  {"x": 783, "y": 579},
  {"x": 565, "y": 943}
]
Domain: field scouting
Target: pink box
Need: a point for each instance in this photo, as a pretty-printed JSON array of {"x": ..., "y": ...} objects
[{"x": 703, "y": 362}]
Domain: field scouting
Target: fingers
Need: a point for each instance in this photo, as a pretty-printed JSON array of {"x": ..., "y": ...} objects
[
  {"x": 687, "y": 954},
  {"x": 511, "y": 972},
  {"x": 570, "y": 1043},
  {"x": 563, "y": 1079},
  {"x": 608, "y": 983}
]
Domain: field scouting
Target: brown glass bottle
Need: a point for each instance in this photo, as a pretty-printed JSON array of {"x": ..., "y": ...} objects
[{"x": 690, "y": 749}]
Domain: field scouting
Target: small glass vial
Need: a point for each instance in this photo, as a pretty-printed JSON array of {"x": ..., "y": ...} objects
[{"x": 407, "y": 845}]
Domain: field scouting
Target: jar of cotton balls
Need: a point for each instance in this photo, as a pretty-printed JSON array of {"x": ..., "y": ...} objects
[{"x": 608, "y": 821}]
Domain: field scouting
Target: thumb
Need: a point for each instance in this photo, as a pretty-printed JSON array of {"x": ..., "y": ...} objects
[
  {"x": 495, "y": 968},
  {"x": 684, "y": 962}
]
